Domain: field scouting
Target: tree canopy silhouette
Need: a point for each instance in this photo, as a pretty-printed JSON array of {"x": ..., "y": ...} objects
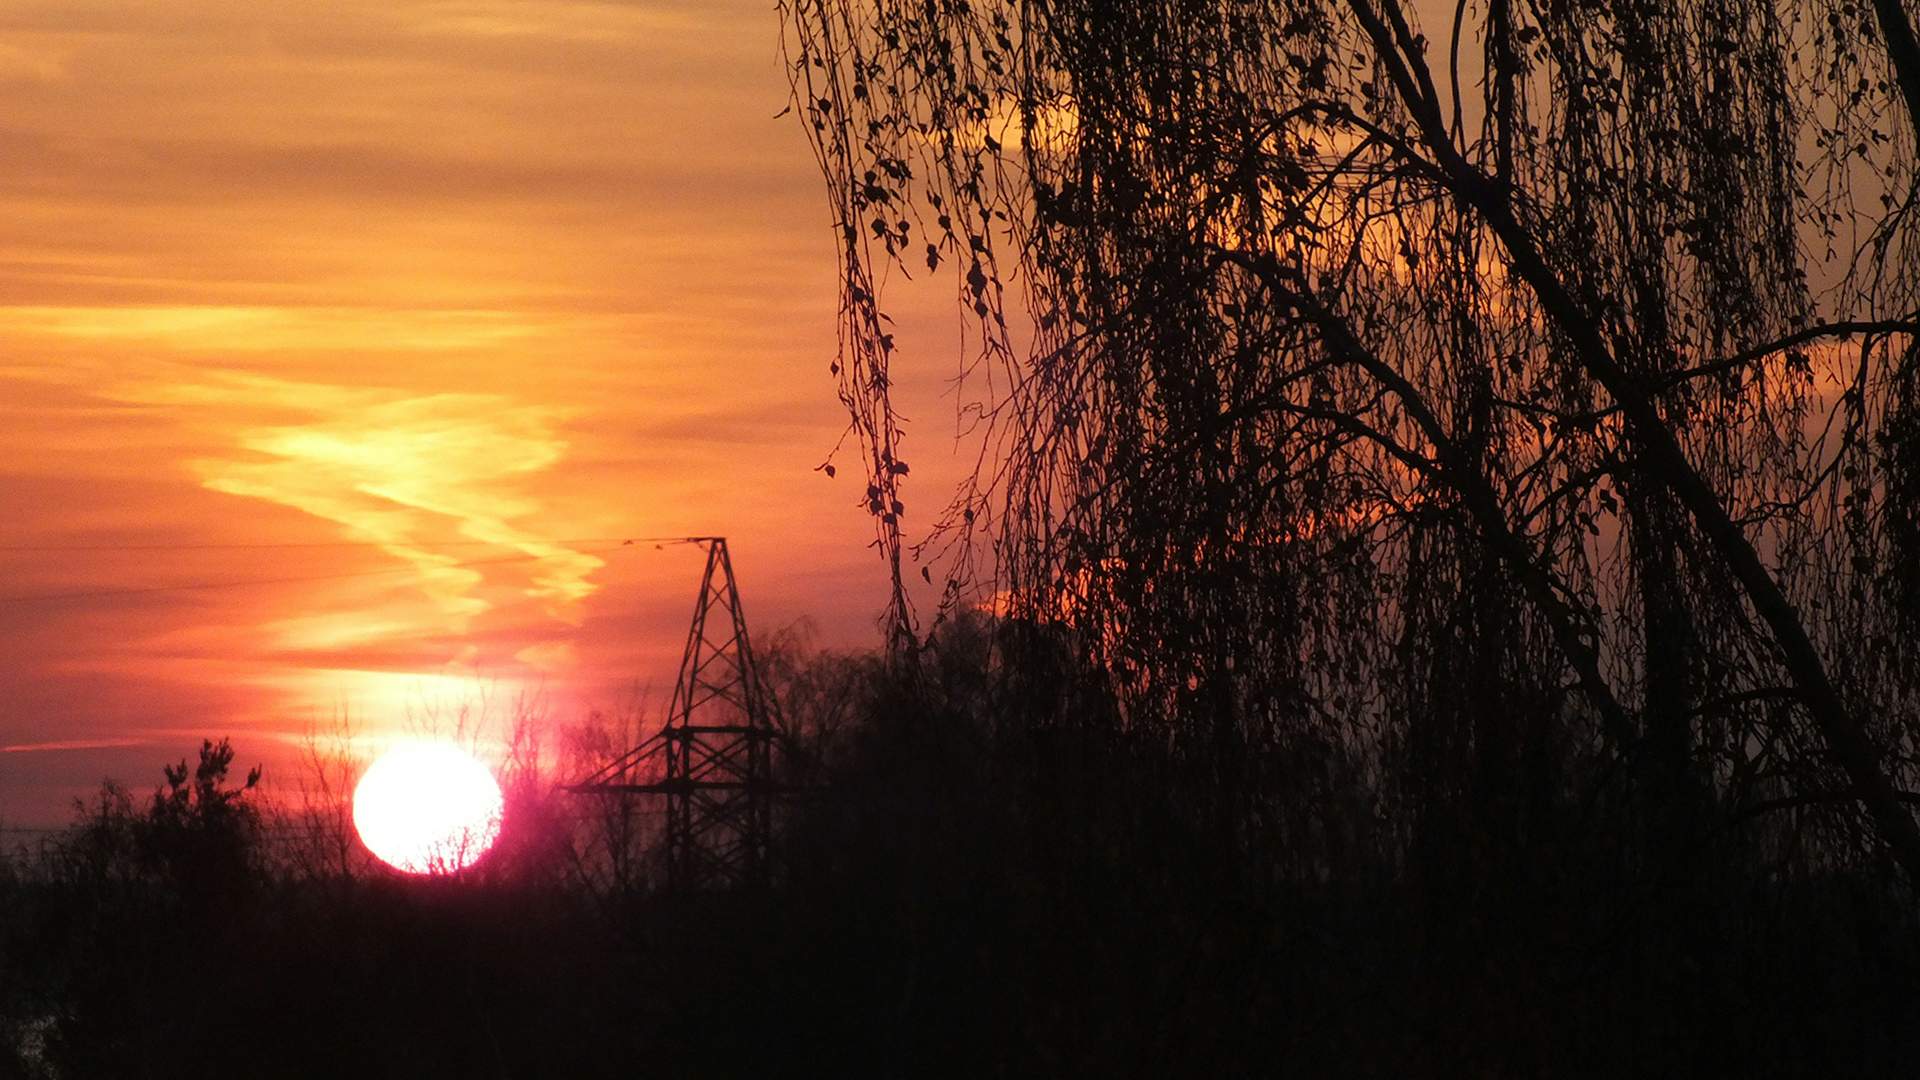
[{"x": 1523, "y": 393}]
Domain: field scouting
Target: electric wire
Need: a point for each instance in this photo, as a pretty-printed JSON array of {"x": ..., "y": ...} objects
[
  {"x": 317, "y": 545},
  {"x": 621, "y": 544}
]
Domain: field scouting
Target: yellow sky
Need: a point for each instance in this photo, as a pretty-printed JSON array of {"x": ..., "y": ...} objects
[{"x": 404, "y": 273}]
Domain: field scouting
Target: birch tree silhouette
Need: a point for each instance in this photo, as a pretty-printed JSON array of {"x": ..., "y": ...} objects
[{"x": 1523, "y": 393}]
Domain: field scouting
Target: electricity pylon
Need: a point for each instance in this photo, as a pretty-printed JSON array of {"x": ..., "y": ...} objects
[{"x": 713, "y": 758}]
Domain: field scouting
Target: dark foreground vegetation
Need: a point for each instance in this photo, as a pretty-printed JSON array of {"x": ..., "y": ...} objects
[{"x": 983, "y": 880}]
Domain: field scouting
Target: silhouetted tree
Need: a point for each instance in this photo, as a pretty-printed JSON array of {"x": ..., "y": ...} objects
[
  {"x": 1526, "y": 396},
  {"x": 200, "y": 831}
]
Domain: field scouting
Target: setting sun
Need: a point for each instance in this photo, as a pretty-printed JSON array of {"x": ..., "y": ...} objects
[{"x": 427, "y": 808}]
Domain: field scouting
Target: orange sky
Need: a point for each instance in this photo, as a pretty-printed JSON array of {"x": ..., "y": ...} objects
[{"x": 403, "y": 272}]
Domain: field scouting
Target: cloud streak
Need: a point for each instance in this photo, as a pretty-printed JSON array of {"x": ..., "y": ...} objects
[{"x": 400, "y": 472}]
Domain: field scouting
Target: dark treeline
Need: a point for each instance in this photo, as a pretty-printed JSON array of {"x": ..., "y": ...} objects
[{"x": 988, "y": 874}]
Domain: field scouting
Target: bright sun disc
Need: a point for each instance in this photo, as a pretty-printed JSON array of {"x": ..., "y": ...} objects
[{"x": 427, "y": 808}]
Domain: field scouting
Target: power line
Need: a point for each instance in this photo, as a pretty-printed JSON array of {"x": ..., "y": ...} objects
[
  {"x": 621, "y": 540},
  {"x": 202, "y": 586}
]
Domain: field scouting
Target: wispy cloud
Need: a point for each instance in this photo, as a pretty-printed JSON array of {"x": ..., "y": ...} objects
[{"x": 401, "y": 471}]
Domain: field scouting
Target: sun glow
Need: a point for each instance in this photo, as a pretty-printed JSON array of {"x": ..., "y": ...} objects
[{"x": 427, "y": 808}]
